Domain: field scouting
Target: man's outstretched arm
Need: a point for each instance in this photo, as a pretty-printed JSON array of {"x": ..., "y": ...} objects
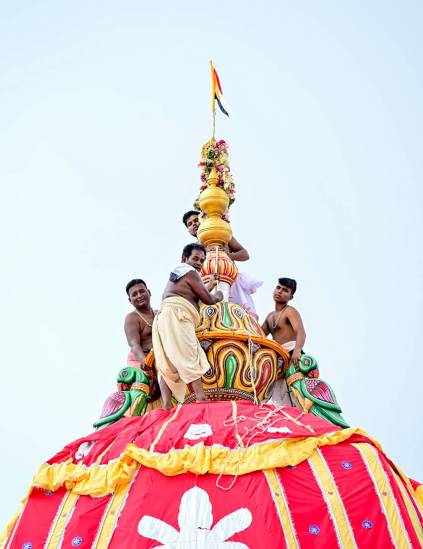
[
  {"x": 132, "y": 332},
  {"x": 294, "y": 318},
  {"x": 237, "y": 252},
  {"x": 201, "y": 291}
]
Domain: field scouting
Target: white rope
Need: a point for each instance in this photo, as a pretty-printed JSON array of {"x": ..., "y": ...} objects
[
  {"x": 252, "y": 369},
  {"x": 262, "y": 420}
]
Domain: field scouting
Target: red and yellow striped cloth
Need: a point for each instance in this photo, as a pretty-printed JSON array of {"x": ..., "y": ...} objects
[{"x": 304, "y": 482}]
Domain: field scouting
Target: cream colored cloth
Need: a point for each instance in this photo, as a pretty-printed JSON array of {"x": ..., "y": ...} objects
[
  {"x": 179, "y": 356},
  {"x": 281, "y": 394},
  {"x": 289, "y": 345}
]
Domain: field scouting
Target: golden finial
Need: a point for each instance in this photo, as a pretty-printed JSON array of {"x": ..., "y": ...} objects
[{"x": 213, "y": 202}]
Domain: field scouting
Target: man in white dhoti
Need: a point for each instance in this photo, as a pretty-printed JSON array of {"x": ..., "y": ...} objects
[{"x": 178, "y": 354}]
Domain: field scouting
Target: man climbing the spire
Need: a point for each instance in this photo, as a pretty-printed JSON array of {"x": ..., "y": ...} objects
[
  {"x": 286, "y": 327},
  {"x": 179, "y": 357},
  {"x": 235, "y": 250},
  {"x": 138, "y": 323},
  {"x": 244, "y": 285}
]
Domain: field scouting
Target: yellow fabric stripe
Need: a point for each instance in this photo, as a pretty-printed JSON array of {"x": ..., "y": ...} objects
[
  {"x": 99, "y": 480},
  {"x": 14, "y": 522},
  {"x": 386, "y": 497},
  {"x": 331, "y": 495},
  {"x": 62, "y": 520},
  {"x": 112, "y": 514},
  {"x": 412, "y": 513},
  {"x": 9, "y": 529},
  {"x": 279, "y": 497},
  {"x": 163, "y": 427},
  {"x": 418, "y": 492}
]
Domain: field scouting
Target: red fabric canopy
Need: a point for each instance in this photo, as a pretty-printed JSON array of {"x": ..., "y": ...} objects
[{"x": 341, "y": 494}]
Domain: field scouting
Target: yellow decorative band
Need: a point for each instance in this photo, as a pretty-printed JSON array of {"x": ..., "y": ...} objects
[
  {"x": 244, "y": 337},
  {"x": 295, "y": 377},
  {"x": 149, "y": 360},
  {"x": 140, "y": 387},
  {"x": 99, "y": 480}
]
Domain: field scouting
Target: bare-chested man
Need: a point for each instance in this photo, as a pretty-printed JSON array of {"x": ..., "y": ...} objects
[
  {"x": 285, "y": 323},
  {"x": 244, "y": 285},
  {"x": 235, "y": 250},
  {"x": 179, "y": 357},
  {"x": 138, "y": 323}
]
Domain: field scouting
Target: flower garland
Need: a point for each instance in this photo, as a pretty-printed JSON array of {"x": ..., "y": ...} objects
[{"x": 215, "y": 154}]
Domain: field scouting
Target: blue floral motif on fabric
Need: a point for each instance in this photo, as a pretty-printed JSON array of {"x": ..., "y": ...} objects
[
  {"x": 27, "y": 545},
  {"x": 314, "y": 529},
  {"x": 367, "y": 524},
  {"x": 48, "y": 493},
  {"x": 346, "y": 465},
  {"x": 76, "y": 541}
]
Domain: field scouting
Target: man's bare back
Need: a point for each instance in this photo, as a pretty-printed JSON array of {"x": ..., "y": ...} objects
[
  {"x": 190, "y": 287},
  {"x": 185, "y": 282}
]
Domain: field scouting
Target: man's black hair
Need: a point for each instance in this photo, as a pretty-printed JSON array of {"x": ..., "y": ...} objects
[
  {"x": 187, "y": 215},
  {"x": 187, "y": 251},
  {"x": 134, "y": 282},
  {"x": 289, "y": 283}
]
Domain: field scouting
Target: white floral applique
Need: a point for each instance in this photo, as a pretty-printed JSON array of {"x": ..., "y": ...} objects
[
  {"x": 195, "y": 519},
  {"x": 83, "y": 450},
  {"x": 198, "y": 430},
  {"x": 283, "y": 429}
]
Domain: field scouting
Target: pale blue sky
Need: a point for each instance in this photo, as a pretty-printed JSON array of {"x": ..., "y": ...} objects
[{"x": 104, "y": 107}]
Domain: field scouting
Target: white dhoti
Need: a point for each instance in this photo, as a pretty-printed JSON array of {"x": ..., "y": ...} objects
[
  {"x": 177, "y": 351},
  {"x": 281, "y": 395}
]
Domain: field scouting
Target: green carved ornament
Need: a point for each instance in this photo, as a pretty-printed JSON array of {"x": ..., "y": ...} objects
[
  {"x": 129, "y": 400},
  {"x": 314, "y": 394}
]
